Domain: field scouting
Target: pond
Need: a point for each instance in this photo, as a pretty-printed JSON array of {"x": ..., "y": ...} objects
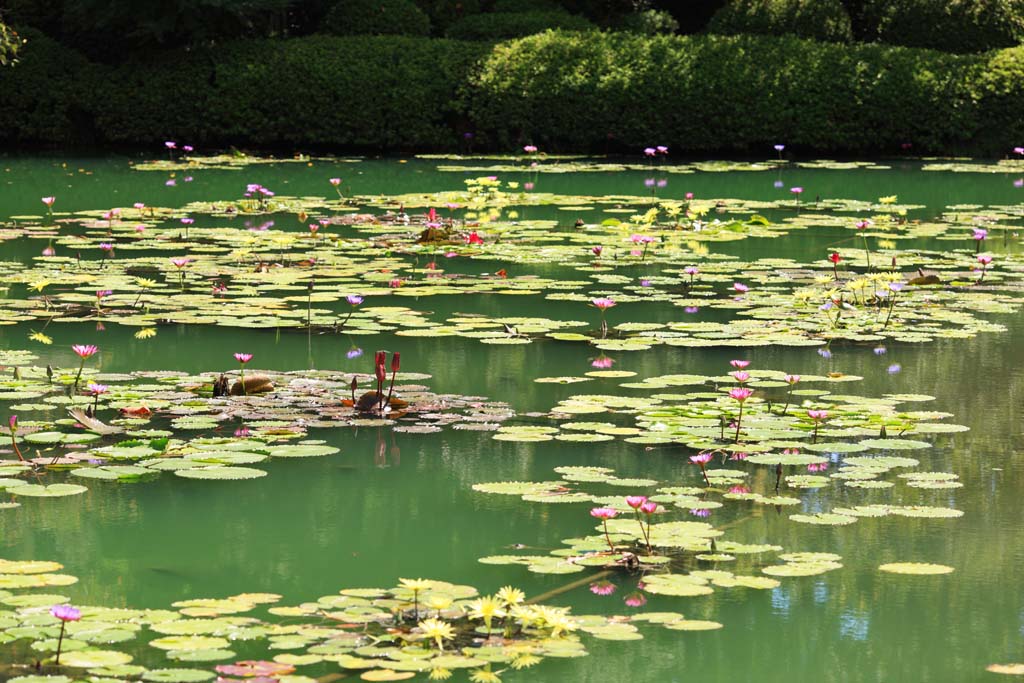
[{"x": 914, "y": 457}]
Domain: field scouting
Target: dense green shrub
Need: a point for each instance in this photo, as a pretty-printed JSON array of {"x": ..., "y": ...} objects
[
  {"x": 575, "y": 91},
  {"x": 818, "y": 19},
  {"x": 526, "y": 6},
  {"x": 950, "y": 25},
  {"x": 376, "y": 18},
  {"x": 561, "y": 91},
  {"x": 649, "y": 22},
  {"x": 42, "y": 93},
  {"x": 375, "y": 92},
  {"x": 504, "y": 25},
  {"x": 443, "y": 12}
]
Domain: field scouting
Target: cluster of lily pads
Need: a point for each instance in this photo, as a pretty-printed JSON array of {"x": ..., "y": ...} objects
[
  {"x": 155, "y": 422},
  {"x": 265, "y": 260},
  {"x": 388, "y": 634}
]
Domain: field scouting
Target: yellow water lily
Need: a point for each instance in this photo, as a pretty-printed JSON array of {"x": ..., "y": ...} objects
[
  {"x": 511, "y": 596},
  {"x": 486, "y": 608},
  {"x": 437, "y": 630}
]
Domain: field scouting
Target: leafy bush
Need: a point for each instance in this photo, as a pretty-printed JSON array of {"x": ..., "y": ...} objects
[
  {"x": 650, "y": 22},
  {"x": 559, "y": 90},
  {"x": 369, "y": 92},
  {"x": 819, "y": 19},
  {"x": 577, "y": 91},
  {"x": 443, "y": 12},
  {"x": 950, "y": 25},
  {"x": 43, "y": 92},
  {"x": 504, "y": 25},
  {"x": 526, "y": 6},
  {"x": 376, "y": 18}
]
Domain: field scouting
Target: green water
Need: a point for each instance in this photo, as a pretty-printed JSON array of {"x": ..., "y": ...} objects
[{"x": 400, "y": 505}]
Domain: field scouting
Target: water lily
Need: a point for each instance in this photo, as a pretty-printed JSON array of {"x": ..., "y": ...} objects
[
  {"x": 602, "y": 304},
  {"x": 12, "y": 424},
  {"x": 740, "y": 394},
  {"x": 637, "y": 502},
  {"x": 474, "y": 238},
  {"x": 96, "y": 390},
  {"x": 740, "y": 287},
  {"x": 797, "y": 191},
  {"x": 835, "y": 258},
  {"x": 596, "y": 251},
  {"x": 602, "y": 362},
  {"x": 650, "y": 151},
  {"x": 437, "y": 630},
  {"x": 691, "y": 271},
  {"x": 817, "y": 416},
  {"x": 790, "y": 380},
  {"x": 984, "y": 260},
  {"x": 740, "y": 376},
  {"x": 83, "y": 351},
  {"x": 65, "y": 613},
  {"x": 739, "y": 364},
  {"x": 602, "y": 588},
  {"x": 604, "y": 514},
  {"x": 487, "y": 608},
  {"x": 242, "y": 359},
  {"x": 701, "y": 460},
  {"x": 529, "y": 149}
]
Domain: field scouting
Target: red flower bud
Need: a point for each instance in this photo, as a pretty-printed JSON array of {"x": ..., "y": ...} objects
[
  {"x": 381, "y": 373},
  {"x": 395, "y": 363},
  {"x": 379, "y": 357}
]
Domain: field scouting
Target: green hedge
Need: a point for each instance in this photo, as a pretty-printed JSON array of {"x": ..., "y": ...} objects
[
  {"x": 42, "y": 96},
  {"x": 818, "y": 19},
  {"x": 378, "y": 92},
  {"x": 561, "y": 91},
  {"x": 504, "y": 25},
  {"x": 950, "y": 25},
  {"x": 576, "y": 91}
]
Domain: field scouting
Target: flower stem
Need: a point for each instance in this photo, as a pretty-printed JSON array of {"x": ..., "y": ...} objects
[
  {"x": 607, "y": 537},
  {"x": 739, "y": 421},
  {"x": 60, "y": 641}
]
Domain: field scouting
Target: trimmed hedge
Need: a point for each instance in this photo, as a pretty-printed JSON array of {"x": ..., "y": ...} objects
[
  {"x": 505, "y": 25},
  {"x": 576, "y": 91},
  {"x": 377, "y": 92},
  {"x": 818, "y": 19},
  {"x": 564, "y": 91}
]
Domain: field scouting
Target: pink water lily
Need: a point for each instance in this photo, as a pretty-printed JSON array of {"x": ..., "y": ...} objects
[
  {"x": 740, "y": 287},
  {"x": 84, "y": 350},
  {"x": 602, "y": 303},
  {"x": 604, "y": 514},
  {"x": 635, "y": 501},
  {"x": 529, "y": 149},
  {"x": 180, "y": 261},
  {"x": 789, "y": 380},
  {"x": 49, "y": 201},
  {"x": 65, "y": 613},
  {"x": 740, "y": 394},
  {"x": 243, "y": 357},
  {"x": 12, "y": 423},
  {"x": 702, "y": 459},
  {"x": 740, "y": 376},
  {"x": 818, "y": 416},
  {"x": 984, "y": 260},
  {"x": 739, "y": 364}
]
